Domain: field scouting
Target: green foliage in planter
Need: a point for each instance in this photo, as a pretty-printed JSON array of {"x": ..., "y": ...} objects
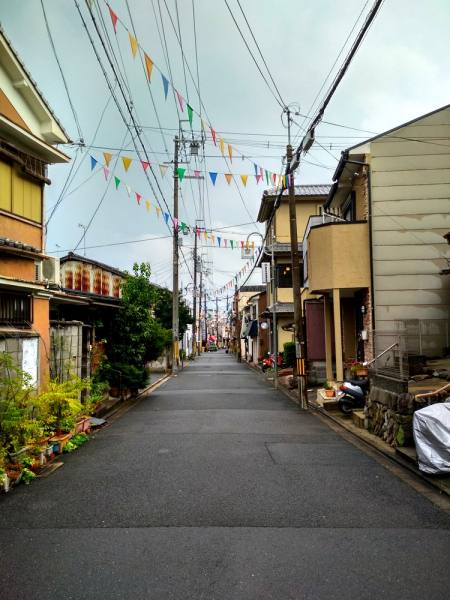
[
  {"x": 327, "y": 385},
  {"x": 289, "y": 354},
  {"x": 19, "y": 408},
  {"x": 79, "y": 439},
  {"x": 61, "y": 401},
  {"x": 27, "y": 475},
  {"x": 182, "y": 355},
  {"x": 69, "y": 446}
]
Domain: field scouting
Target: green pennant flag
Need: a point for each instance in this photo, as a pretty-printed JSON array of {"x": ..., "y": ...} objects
[
  {"x": 190, "y": 113},
  {"x": 181, "y": 173},
  {"x": 117, "y": 180},
  {"x": 183, "y": 226},
  {"x": 231, "y": 242},
  {"x": 267, "y": 177}
]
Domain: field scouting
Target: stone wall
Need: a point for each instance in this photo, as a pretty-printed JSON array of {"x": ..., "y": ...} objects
[{"x": 389, "y": 416}]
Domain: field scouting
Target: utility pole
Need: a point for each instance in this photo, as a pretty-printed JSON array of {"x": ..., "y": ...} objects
[
  {"x": 238, "y": 324},
  {"x": 296, "y": 283},
  {"x": 194, "y": 328},
  {"x": 206, "y": 324},
  {"x": 217, "y": 320},
  {"x": 175, "y": 324},
  {"x": 274, "y": 312},
  {"x": 200, "y": 327}
]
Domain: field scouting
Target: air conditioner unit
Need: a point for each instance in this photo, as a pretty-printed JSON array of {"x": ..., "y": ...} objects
[
  {"x": 247, "y": 253},
  {"x": 50, "y": 270}
]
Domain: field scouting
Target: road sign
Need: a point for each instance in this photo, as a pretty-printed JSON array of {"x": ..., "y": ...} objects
[{"x": 265, "y": 272}]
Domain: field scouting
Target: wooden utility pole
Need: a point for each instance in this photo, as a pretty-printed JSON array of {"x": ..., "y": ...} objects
[
  {"x": 194, "y": 328},
  {"x": 238, "y": 324},
  {"x": 175, "y": 316},
  {"x": 296, "y": 284}
]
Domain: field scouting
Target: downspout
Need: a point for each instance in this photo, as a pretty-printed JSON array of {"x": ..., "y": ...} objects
[{"x": 369, "y": 198}]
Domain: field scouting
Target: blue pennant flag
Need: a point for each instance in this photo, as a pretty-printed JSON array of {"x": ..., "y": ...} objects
[
  {"x": 166, "y": 85},
  {"x": 256, "y": 169},
  {"x": 213, "y": 177},
  {"x": 219, "y": 240},
  {"x": 166, "y": 216},
  {"x": 93, "y": 163}
]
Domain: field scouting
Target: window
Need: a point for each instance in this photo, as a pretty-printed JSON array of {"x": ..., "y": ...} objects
[
  {"x": 15, "y": 309},
  {"x": 349, "y": 208},
  {"x": 284, "y": 276},
  {"x": 20, "y": 194}
]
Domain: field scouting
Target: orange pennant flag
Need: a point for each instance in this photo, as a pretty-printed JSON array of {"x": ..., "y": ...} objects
[
  {"x": 204, "y": 127},
  {"x": 126, "y": 162},
  {"x": 149, "y": 67},
  {"x": 108, "y": 158},
  {"x": 244, "y": 179},
  {"x": 213, "y": 238},
  {"x": 134, "y": 44},
  {"x": 229, "y": 177},
  {"x": 157, "y": 211},
  {"x": 253, "y": 245},
  {"x": 148, "y": 204},
  {"x": 230, "y": 152},
  {"x": 222, "y": 144}
]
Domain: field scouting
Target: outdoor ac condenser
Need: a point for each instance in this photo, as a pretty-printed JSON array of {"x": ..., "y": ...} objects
[{"x": 50, "y": 270}]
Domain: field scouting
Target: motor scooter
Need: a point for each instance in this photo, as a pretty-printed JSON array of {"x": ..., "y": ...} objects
[
  {"x": 352, "y": 395},
  {"x": 269, "y": 363}
]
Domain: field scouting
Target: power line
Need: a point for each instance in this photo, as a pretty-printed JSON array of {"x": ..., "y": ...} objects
[
  {"x": 282, "y": 104},
  {"x": 260, "y": 53},
  {"x": 75, "y": 116}
]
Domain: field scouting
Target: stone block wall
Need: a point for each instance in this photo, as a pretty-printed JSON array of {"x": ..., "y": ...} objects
[{"x": 389, "y": 416}]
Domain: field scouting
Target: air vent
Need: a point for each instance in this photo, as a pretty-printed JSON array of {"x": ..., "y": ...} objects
[{"x": 38, "y": 270}]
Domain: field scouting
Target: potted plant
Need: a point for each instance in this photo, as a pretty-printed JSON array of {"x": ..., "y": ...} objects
[
  {"x": 358, "y": 370},
  {"x": 329, "y": 389}
]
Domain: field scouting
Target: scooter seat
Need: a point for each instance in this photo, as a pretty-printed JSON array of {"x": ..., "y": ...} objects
[{"x": 363, "y": 383}]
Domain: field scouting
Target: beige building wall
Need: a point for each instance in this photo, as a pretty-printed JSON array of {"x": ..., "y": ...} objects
[{"x": 411, "y": 213}]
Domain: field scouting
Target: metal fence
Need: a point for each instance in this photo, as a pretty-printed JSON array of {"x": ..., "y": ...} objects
[{"x": 413, "y": 342}]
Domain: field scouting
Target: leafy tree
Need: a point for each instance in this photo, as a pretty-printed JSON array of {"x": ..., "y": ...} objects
[
  {"x": 137, "y": 337},
  {"x": 163, "y": 312}
]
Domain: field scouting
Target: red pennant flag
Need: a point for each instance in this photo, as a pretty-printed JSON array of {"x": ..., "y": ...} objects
[
  {"x": 180, "y": 100},
  {"x": 145, "y": 165},
  {"x": 242, "y": 244},
  {"x": 113, "y": 18},
  {"x": 138, "y": 198},
  {"x": 198, "y": 233},
  {"x": 213, "y": 133},
  {"x": 197, "y": 174}
]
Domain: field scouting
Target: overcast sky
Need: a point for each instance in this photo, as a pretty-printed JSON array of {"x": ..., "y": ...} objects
[{"x": 399, "y": 73}]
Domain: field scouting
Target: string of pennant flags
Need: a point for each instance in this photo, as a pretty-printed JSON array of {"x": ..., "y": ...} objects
[
  {"x": 180, "y": 172},
  {"x": 218, "y": 141},
  {"x": 177, "y": 224}
]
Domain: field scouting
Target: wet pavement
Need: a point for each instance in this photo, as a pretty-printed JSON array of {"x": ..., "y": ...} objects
[{"x": 218, "y": 486}]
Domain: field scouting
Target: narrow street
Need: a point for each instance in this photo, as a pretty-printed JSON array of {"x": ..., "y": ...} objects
[{"x": 218, "y": 486}]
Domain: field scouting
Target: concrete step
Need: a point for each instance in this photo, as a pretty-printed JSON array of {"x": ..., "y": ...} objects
[
  {"x": 330, "y": 404},
  {"x": 408, "y": 453},
  {"x": 358, "y": 418}
]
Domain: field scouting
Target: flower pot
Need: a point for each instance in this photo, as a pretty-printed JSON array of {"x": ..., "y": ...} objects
[
  {"x": 55, "y": 448},
  {"x": 78, "y": 427},
  {"x": 362, "y": 373},
  {"x": 17, "y": 457},
  {"x": 86, "y": 424},
  {"x": 48, "y": 451},
  {"x": 329, "y": 393}
]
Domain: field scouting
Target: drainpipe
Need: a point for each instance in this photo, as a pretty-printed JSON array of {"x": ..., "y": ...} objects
[{"x": 369, "y": 196}]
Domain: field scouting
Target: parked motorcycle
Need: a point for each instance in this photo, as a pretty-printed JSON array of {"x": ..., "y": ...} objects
[{"x": 352, "y": 395}]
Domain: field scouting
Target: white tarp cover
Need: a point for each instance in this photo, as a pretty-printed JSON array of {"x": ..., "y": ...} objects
[{"x": 431, "y": 428}]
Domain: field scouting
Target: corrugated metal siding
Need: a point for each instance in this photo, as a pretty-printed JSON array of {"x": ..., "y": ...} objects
[{"x": 84, "y": 277}]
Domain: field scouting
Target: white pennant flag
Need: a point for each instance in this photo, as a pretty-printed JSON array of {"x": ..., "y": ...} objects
[
  {"x": 163, "y": 169},
  {"x": 128, "y": 190}
]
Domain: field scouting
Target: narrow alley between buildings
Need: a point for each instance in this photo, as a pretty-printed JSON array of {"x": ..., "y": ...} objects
[{"x": 217, "y": 486}]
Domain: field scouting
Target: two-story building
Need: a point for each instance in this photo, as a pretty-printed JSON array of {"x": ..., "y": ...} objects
[
  {"x": 29, "y": 134},
  {"x": 377, "y": 255},
  {"x": 309, "y": 200}
]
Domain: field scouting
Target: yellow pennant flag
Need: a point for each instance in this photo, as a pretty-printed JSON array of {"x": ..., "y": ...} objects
[
  {"x": 230, "y": 152},
  {"x": 149, "y": 67},
  {"x": 247, "y": 245},
  {"x": 244, "y": 179},
  {"x": 157, "y": 211},
  {"x": 229, "y": 177},
  {"x": 206, "y": 236},
  {"x": 126, "y": 162},
  {"x": 148, "y": 204},
  {"x": 108, "y": 156},
  {"x": 222, "y": 144},
  {"x": 134, "y": 44},
  {"x": 253, "y": 245},
  {"x": 280, "y": 180}
]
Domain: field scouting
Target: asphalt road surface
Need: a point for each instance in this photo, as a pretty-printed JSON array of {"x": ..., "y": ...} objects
[{"x": 218, "y": 486}]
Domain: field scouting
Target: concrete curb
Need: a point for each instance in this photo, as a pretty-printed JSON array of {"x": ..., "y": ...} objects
[{"x": 376, "y": 444}]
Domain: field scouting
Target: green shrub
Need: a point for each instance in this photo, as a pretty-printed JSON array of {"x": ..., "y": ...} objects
[{"x": 289, "y": 354}]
